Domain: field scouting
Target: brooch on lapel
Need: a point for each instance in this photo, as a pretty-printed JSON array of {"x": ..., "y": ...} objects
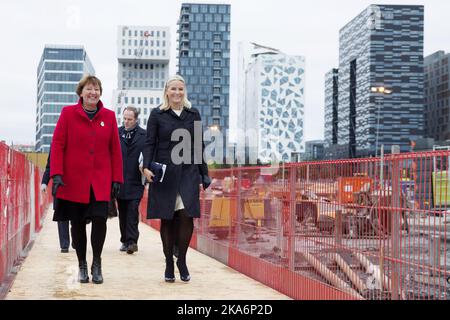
[{"x": 102, "y": 124}]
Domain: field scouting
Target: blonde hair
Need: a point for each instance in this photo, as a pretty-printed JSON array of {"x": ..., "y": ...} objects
[
  {"x": 186, "y": 102},
  {"x": 88, "y": 79}
]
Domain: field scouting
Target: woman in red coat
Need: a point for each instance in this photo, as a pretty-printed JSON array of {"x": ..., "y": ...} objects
[{"x": 86, "y": 167}]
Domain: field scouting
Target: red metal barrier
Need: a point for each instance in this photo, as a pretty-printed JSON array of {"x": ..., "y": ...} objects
[
  {"x": 3, "y": 201},
  {"x": 349, "y": 229},
  {"x": 19, "y": 187}
]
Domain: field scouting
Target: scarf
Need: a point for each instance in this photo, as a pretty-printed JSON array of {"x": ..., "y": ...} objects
[{"x": 129, "y": 134}]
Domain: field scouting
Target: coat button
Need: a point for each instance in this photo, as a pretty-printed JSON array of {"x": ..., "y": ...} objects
[{"x": 91, "y": 151}]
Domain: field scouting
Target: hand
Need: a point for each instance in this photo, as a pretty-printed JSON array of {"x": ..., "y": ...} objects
[
  {"x": 148, "y": 175},
  {"x": 206, "y": 182},
  {"x": 57, "y": 182},
  {"x": 43, "y": 187},
  {"x": 115, "y": 189}
]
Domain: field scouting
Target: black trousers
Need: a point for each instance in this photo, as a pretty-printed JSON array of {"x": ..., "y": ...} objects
[
  {"x": 64, "y": 235},
  {"x": 129, "y": 220}
]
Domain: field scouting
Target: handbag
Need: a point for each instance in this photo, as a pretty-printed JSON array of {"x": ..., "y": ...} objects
[{"x": 112, "y": 208}]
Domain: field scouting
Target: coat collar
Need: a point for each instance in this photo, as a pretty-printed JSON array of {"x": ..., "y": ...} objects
[
  {"x": 184, "y": 109},
  {"x": 80, "y": 110},
  {"x": 139, "y": 131},
  {"x": 182, "y": 116}
]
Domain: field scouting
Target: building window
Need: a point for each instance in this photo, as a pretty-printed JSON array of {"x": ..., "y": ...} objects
[
  {"x": 119, "y": 110},
  {"x": 157, "y": 101},
  {"x": 145, "y": 100},
  {"x": 157, "y": 34},
  {"x": 139, "y": 100},
  {"x": 132, "y": 100},
  {"x": 164, "y": 34}
]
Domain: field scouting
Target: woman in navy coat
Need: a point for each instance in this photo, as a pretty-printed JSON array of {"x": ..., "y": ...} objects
[{"x": 176, "y": 197}]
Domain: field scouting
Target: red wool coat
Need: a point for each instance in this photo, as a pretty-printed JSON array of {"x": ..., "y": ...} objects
[{"x": 86, "y": 152}]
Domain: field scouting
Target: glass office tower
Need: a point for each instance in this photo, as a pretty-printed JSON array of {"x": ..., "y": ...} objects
[{"x": 60, "y": 69}]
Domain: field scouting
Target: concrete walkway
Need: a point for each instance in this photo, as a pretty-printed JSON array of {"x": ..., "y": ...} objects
[{"x": 49, "y": 274}]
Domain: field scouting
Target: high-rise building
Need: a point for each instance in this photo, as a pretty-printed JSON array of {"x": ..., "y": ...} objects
[
  {"x": 60, "y": 69},
  {"x": 143, "y": 55},
  {"x": 437, "y": 96},
  {"x": 381, "y": 48},
  {"x": 314, "y": 150},
  {"x": 274, "y": 105},
  {"x": 331, "y": 107},
  {"x": 204, "y": 59}
]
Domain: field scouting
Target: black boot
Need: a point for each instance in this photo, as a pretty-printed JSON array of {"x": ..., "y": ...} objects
[
  {"x": 83, "y": 272},
  {"x": 184, "y": 272},
  {"x": 96, "y": 271},
  {"x": 169, "y": 274}
]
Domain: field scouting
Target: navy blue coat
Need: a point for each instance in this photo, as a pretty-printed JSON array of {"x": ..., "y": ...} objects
[
  {"x": 184, "y": 178},
  {"x": 132, "y": 187}
]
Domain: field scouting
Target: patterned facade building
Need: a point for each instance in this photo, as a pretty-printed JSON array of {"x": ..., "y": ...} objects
[
  {"x": 274, "y": 106},
  {"x": 381, "y": 47},
  {"x": 331, "y": 107}
]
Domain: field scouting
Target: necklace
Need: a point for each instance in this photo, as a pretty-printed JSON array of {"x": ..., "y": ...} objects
[{"x": 89, "y": 111}]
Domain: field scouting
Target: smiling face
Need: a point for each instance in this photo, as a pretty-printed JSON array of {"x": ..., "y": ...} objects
[
  {"x": 175, "y": 93},
  {"x": 91, "y": 94}
]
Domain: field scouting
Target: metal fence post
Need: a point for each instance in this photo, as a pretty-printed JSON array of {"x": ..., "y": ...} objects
[
  {"x": 239, "y": 219},
  {"x": 291, "y": 233},
  {"x": 395, "y": 227}
]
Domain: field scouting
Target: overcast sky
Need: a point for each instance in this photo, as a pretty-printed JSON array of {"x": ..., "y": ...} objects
[{"x": 297, "y": 27}]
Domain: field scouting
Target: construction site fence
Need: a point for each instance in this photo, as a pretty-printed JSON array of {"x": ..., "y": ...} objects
[
  {"x": 22, "y": 208},
  {"x": 375, "y": 229}
]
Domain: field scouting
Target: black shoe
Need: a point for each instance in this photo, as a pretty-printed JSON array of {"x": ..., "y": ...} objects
[
  {"x": 184, "y": 272},
  {"x": 132, "y": 248},
  {"x": 169, "y": 274},
  {"x": 64, "y": 250},
  {"x": 96, "y": 271},
  {"x": 123, "y": 247},
  {"x": 83, "y": 272}
]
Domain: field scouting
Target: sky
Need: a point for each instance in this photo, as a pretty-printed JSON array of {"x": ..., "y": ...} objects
[{"x": 296, "y": 27}]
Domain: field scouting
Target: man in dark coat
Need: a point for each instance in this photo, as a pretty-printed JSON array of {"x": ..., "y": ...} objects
[
  {"x": 132, "y": 141},
  {"x": 63, "y": 226}
]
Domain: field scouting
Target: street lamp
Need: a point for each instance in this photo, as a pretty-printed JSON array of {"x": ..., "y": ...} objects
[{"x": 382, "y": 91}]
